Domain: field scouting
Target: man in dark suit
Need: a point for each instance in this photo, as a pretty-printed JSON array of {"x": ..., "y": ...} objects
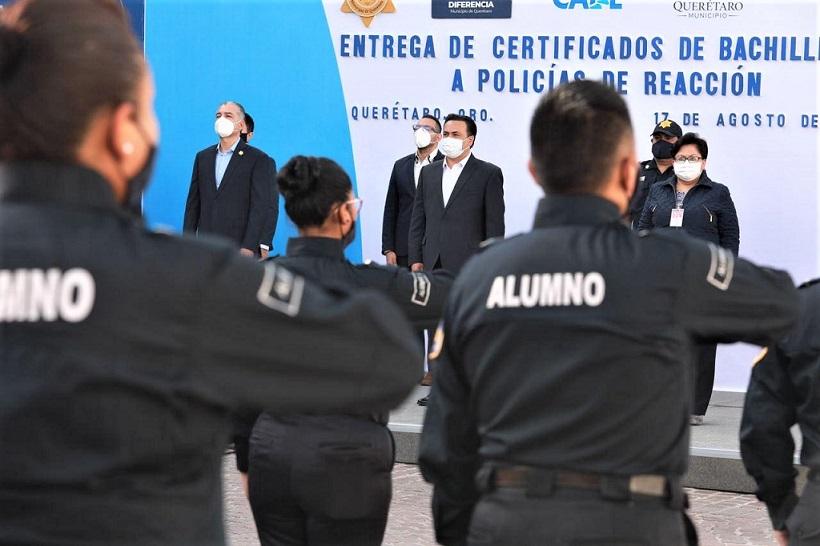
[
  {"x": 232, "y": 187},
  {"x": 459, "y": 202},
  {"x": 401, "y": 190}
]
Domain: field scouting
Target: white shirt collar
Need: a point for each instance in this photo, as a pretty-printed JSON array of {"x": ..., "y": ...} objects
[
  {"x": 426, "y": 161},
  {"x": 233, "y": 148},
  {"x": 460, "y": 165}
]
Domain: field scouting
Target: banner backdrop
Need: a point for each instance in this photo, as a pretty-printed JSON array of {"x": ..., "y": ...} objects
[{"x": 348, "y": 78}]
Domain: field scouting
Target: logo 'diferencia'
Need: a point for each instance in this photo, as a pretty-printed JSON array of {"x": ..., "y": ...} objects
[{"x": 368, "y": 9}]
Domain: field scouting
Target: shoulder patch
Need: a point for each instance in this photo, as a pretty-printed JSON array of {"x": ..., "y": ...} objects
[
  {"x": 721, "y": 268},
  {"x": 438, "y": 342},
  {"x": 487, "y": 243},
  {"x": 759, "y": 358},
  {"x": 281, "y": 290},
  {"x": 421, "y": 289}
]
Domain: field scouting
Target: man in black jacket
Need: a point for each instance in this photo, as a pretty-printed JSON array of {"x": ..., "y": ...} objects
[
  {"x": 401, "y": 190},
  {"x": 560, "y": 403},
  {"x": 459, "y": 202},
  {"x": 663, "y": 138},
  {"x": 232, "y": 187},
  {"x": 785, "y": 389}
]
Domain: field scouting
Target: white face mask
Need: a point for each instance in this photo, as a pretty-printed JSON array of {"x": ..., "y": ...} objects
[
  {"x": 224, "y": 127},
  {"x": 688, "y": 171},
  {"x": 423, "y": 138},
  {"x": 451, "y": 147}
]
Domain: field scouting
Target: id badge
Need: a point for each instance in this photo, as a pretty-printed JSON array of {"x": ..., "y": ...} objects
[{"x": 677, "y": 218}]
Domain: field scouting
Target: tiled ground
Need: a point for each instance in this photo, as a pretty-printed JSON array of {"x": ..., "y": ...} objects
[{"x": 721, "y": 518}]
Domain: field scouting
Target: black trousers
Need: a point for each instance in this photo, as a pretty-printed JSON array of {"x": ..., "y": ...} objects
[
  {"x": 574, "y": 517},
  {"x": 320, "y": 480},
  {"x": 804, "y": 521},
  {"x": 704, "y": 377}
]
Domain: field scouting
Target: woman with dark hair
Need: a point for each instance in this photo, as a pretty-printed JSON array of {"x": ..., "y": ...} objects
[
  {"x": 704, "y": 209},
  {"x": 319, "y": 479},
  {"x": 123, "y": 352}
]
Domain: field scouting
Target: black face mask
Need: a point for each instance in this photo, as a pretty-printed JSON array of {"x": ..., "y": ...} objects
[
  {"x": 662, "y": 149},
  {"x": 350, "y": 235},
  {"x": 138, "y": 183}
]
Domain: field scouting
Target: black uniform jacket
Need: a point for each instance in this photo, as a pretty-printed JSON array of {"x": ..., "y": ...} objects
[
  {"x": 569, "y": 347},
  {"x": 420, "y": 295},
  {"x": 398, "y": 204},
  {"x": 709, "y": 212},
  {"x": 241, "y": 208},
  {"x": 474, "y": 213},
  {"x": 785, "y": 389},
  {"x": 648, "y": 175},
  {"x": 123, "y": 352}
]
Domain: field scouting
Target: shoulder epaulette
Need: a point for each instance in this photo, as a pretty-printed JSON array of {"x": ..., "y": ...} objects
[{"x": 809, "y": 283}]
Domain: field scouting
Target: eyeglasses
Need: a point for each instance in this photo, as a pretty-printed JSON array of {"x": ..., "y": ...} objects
[
  {"x": 355, "y": 205},
  {"x": 690, "y": 159},
  {"x": 416, "y": 127}
]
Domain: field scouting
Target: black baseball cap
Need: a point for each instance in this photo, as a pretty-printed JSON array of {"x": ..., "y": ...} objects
[{"x": 668, "y": 127}]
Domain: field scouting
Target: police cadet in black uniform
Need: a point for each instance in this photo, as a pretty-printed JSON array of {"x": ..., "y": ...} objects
[
  {"x": 122, "y": 351},
  {"x": 559, "y": 412},
  {"x": 322, "y": 479},
  {"x": 664, "y": 137},
  {"x": 784, "y": 390}
]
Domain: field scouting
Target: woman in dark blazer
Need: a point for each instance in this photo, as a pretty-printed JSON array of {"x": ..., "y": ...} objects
[{"x": 704, "y": 209}]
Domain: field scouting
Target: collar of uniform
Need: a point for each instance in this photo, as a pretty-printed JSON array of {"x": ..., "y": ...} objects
[
  {"x": 315, "y": 246},
  {"x": 556, "y": 210},
  {"x": 55, "y": 182},
  {"x": 652, "y": 165}
]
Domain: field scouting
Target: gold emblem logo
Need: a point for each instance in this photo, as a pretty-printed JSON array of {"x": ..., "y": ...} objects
[
  {"x": 665, "y": 124},
  {"x": 368, "y": 9}
]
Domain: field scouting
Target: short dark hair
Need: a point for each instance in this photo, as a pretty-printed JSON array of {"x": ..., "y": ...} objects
[
  {"x": 60, "y": 63},
  {"x": 311, "y": 186},
  {"x": 248, "y": 122},
  {"x": 574, "y": 134},
  {"x": 691, "y": 138},
  {"x": 434, "y": 118},
  {"x": 472, "y": 128},
  {"x": 238, "y": 106}
]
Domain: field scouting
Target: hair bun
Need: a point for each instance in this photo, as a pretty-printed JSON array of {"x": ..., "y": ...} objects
[
  {"x": 299, "y": 176},
  {"x": 12, "y": 46}
]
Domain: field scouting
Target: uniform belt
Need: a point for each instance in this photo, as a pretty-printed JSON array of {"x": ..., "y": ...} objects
[{"x": 534, "y": 479}]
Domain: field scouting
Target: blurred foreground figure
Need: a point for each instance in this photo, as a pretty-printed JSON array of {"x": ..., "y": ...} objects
[
  {"x": 561, "y": 398},
  {"x": 122, "y": 351},
  {"x": 785, "y": 390}
]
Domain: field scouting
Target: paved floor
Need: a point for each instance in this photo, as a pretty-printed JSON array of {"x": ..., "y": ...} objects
[{"x": 721, "y": 518}]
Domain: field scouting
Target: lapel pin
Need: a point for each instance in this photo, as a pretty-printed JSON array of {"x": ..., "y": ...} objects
[{"x": 241, "y": 152}]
